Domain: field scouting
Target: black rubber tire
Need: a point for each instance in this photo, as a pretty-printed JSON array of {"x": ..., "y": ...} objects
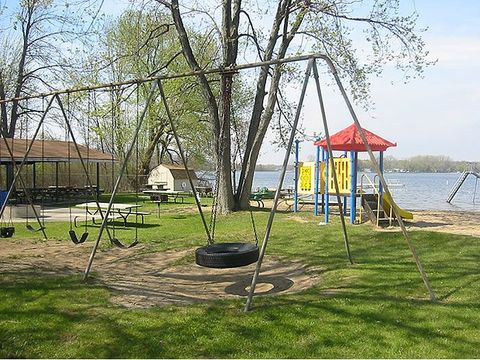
[{"x": 226, "y": 255}]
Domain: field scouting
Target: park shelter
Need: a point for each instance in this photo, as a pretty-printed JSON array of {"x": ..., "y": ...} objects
[
  {"x": 50, "y": 151},
  {"x": 349, "y": 140}
]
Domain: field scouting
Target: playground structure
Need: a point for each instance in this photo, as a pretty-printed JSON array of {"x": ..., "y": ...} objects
[
  {"x": 315, "y": 180},
  {"x": 157, "y": 88}
]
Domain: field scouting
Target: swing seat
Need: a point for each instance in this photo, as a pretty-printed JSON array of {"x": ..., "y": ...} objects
[
  {"x": 7, "y": 231},
  {"x": 75, "y": 239},
  {"x": 32, "y": 229},
  {"x": 226, "y": 255},
  {"x": 120, "y": 245}
]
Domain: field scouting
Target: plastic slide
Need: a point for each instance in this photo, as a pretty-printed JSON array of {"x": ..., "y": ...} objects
[{"x": 387, "y": 203}]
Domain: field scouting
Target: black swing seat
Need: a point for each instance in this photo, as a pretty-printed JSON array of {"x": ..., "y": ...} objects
[
  {"x": 226, "y": 255},
  {"x": 7, "y": 231},
  {"x": 75, "y": 239},
  {"x": 32, "y": 229},
  {"x": 118, "y": 244}
]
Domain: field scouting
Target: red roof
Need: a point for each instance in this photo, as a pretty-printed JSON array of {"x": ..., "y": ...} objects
[{"x": 349, "y": 139}]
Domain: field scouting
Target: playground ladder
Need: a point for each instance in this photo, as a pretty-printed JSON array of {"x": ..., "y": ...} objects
[
  {"x": 372, "y": 205},
  {"x": 459, "y": 183}
]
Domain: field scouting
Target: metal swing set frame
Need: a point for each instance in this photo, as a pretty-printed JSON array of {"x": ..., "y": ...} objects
[{"x": 157, "y": 86}]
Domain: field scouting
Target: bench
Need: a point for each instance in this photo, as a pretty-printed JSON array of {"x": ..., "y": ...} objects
[{"x": 93, "y": 218}]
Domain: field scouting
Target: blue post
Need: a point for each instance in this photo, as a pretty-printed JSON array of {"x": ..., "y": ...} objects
[
  {"x": 317, "y": 181},
  {"x": 380, "y": 187},
  {"x": 344, "y": 198},
  {"x": 326, "y": 188},
  {"x": 295, "y": 193},
  {"x": 353, "y": 186},
  {"x": 323, "y": 195}
]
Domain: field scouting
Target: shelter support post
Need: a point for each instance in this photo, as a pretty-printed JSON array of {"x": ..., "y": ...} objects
[
  {"x": 263, "y": 249},
  {"x": 327, "y": 196},
  {"x": 98, "y": 180},
  {"x": 322, "y": 155},
  {"x": 56, "y": 174},
  {"x": 380, "y": 187},
  {"x": 295, "y": 194},
  {"x": 353, "y": 187},
  {"x": 34, "y": 176}
]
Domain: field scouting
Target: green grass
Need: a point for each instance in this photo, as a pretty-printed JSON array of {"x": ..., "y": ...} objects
[{"x": 375, "y": 308}]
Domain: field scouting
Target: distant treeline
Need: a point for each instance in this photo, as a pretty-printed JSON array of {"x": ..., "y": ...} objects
[
  {"x": 420, "y": 163},
  {"x": 423, "y": 163}
]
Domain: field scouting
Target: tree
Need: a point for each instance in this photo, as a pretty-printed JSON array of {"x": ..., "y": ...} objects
[
  {"x": 296, "y": 26},
  {"x": 33, "y": 56},
  {"x": 139, "y": 44}
]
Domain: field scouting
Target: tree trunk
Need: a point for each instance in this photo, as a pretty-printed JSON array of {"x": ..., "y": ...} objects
[{"x": 225, "y": 200}]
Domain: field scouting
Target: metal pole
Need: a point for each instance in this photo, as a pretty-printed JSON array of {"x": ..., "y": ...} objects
[
  {"x": 412, "y": 248},
  {"x": 248, "y": 304},
  {"x": 380, "y": 187},
  {"x": 119, "y": 178},
  {"x": 98, "y": 180},
  {"x": 317, "y": 180},
  {"x": 332, "y": 162},
  {"x": 184, "y": 160},
  {"x": 90, "y": 184},
  {"x": 322, "y": 154},
  {"x": 327, "y": 196},
  {"x": 353, "y": 187},
  {"x": 230, "y": 69},
  {"x": 295, "y": 194}
]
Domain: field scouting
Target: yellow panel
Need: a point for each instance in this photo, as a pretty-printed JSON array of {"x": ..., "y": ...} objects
[
  {"x": 342, "y": 166},
  {"x": 305, "y": 176}
]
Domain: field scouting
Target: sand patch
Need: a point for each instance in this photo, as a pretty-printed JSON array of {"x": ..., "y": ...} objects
[
  {"x": 453, "y": 222},
  {"x": 141, "y": 279}
]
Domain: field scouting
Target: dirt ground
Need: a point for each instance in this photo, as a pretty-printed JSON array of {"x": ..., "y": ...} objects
[{"x": 141, "y": 279}]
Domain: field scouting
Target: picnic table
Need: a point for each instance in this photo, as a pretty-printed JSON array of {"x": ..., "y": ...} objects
[
  {"x": 164, "y": 195},
  {"x": 118, "y": 210}
]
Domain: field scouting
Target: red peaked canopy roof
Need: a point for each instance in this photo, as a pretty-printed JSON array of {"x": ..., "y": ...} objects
[{"x": 349, "y": 139}]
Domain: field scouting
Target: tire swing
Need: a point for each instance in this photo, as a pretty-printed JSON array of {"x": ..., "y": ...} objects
[
  {"x": 221, "y": 255},
  {"x": 226, "y": 255}
]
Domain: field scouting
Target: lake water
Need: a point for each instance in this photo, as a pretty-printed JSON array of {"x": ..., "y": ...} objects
[{"x": 419, "y": 191}]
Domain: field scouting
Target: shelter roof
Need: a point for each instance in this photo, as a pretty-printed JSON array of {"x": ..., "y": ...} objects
[
  {"x": 179, "y": 172},
  {"x": 49, "y": 151},
  {"x": 349, "y": 139}
]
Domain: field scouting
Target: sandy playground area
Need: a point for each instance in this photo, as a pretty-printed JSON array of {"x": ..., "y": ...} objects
[{"x": 139, "y": 278}]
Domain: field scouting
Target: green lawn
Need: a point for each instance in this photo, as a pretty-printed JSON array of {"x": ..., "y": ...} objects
[{"x": 375, "y": 308}]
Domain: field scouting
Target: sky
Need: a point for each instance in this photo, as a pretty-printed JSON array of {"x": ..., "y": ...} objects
[
  {"x": 436, "y": 115},
  {"x": 433, "y": 115}
]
